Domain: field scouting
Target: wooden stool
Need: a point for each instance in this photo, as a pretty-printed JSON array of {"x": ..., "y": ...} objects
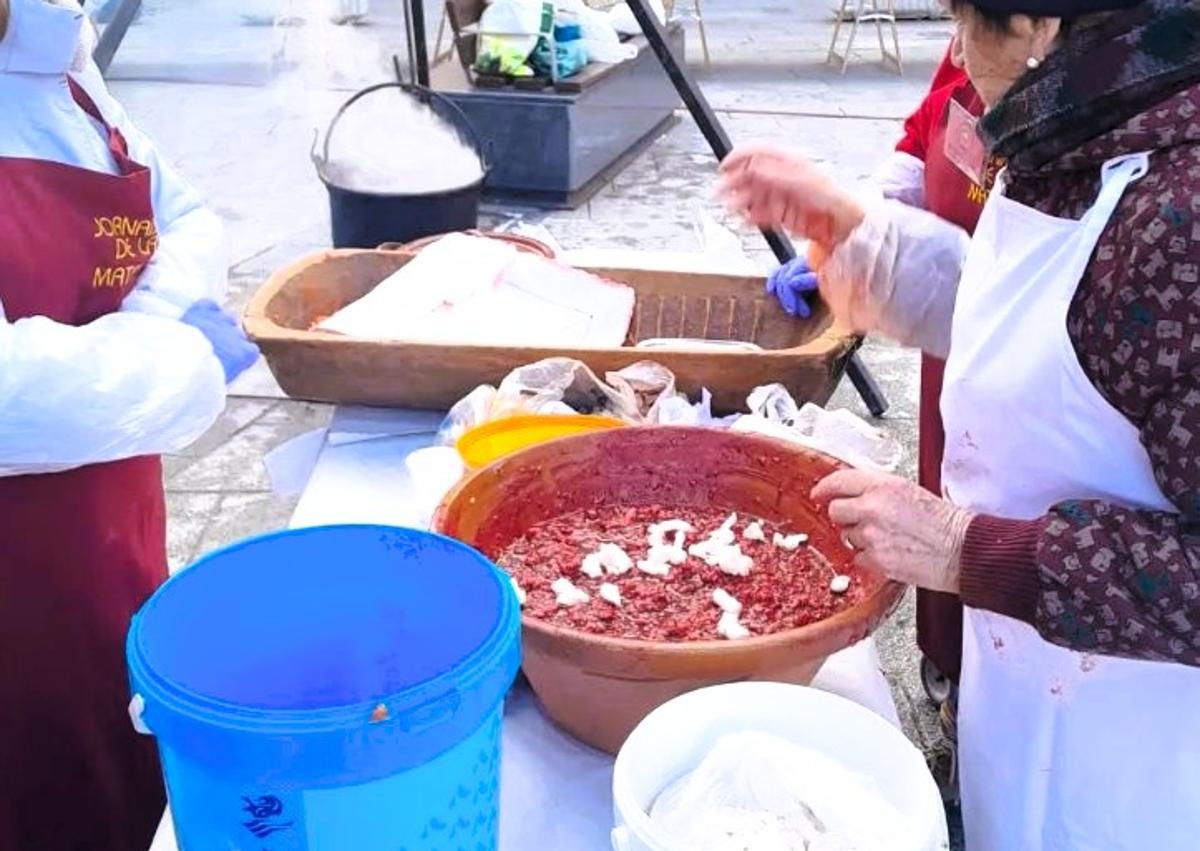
[{"x": 878, "y": 12}]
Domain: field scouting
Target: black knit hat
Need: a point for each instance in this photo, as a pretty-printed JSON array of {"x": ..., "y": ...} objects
[{"x": 1053, "y": 8}]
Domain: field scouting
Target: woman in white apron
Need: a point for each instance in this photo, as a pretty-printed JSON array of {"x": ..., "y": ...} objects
[{"x": 1072, "y": 399}]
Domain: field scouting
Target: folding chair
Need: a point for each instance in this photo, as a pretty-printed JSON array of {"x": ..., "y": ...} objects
[
  {"x": 877, "y": 12},
  {"x": 698, "y": 11}
]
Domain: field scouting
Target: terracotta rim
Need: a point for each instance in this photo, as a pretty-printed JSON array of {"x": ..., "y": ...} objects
[{"x": 882, "y": 600}]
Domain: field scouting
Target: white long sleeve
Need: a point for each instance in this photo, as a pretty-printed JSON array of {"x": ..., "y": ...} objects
[
  {"x": 124, "y": 385},
  {"x": 901, "y": 177},
  {"x": 897, "y": 274}
]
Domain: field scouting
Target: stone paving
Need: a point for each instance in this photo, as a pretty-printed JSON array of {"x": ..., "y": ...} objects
[{"x": 233, "y": 93}]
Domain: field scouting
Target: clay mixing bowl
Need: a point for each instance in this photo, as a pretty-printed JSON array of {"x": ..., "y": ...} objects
[{"x": 599, "y": 688}]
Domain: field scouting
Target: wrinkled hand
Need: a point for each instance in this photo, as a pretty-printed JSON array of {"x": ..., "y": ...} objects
[
  {"x": 790, "y": 284},
  {"x": 224, "y": 333},
  {"x": 897, "y": 528},
  {"x": 771, "y": 188}
]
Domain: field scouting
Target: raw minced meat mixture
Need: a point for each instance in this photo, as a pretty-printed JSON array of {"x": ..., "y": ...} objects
[{"x": 784, "y": 589}]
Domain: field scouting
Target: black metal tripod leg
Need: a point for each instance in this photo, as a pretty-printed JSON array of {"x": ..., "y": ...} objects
[
  {"x": 710, "y": 127},
  {"x": 114, "y": 33},
  {"x": 418, "y": 46},
  {"x": 868, "y": 389}
]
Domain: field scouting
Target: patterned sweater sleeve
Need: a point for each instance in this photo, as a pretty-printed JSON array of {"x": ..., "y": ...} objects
[{"x": 1092, "y": 575}]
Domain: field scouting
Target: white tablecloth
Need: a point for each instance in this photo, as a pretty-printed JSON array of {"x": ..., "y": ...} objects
[{"x": 554, "y": 791}]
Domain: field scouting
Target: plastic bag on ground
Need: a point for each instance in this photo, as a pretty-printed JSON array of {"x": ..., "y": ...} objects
[
  {"x": 760, "y": 791},
  {"x": 839, "y": 433}
]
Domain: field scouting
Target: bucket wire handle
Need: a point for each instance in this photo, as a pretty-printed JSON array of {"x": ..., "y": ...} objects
[{"x": 420, "y": 92}]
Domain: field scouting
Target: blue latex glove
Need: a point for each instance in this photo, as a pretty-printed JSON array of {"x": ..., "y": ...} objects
[
  {"x": 230, "y": 344},
  {"x": 790, "y": 283}
]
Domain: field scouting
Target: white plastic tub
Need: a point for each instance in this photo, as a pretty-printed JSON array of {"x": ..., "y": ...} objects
[{"x": 676, "y": 737}]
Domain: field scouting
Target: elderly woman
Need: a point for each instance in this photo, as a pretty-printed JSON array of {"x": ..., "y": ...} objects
[{"x": 1071, "y": 404}]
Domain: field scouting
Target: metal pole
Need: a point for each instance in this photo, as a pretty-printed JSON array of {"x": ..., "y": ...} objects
[
  {"x": 710, "y": 126},
  {"x": 114, "y": 33},
  {"x": 416, "y": 39}
]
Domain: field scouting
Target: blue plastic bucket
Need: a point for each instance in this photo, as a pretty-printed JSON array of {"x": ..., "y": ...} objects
[{"x": 330, "y": 689}]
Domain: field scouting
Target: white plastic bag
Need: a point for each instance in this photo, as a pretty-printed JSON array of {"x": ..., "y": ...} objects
[
  {"x": 510, "y": 30},
  {"x": 520, "y": 20},
  {"x": 625, "y": 23},
  {"x": 760, "y": 791},
  {"x": 839, "y": 433},
  {"x": 647, "y": 383},
  {"x": 600, "y": 38},
  {"x": 635, "y": 394}
]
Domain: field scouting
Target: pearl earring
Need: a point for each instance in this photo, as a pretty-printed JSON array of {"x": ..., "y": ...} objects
[{"x": 1032, "y": 62}]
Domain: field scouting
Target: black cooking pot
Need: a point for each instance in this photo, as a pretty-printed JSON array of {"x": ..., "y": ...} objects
[{"x": 368, "y": 219}]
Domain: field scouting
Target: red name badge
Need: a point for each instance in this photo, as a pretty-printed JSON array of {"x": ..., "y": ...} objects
[{"x": 963, "y": 146}]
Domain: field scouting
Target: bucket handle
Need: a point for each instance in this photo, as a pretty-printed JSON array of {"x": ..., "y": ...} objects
[
  {"x": 137, "y": 708},
  {"x": 620, "y": 838},
  {"x": 464, "y": 122},
  {"x": 431, "y": 713}
]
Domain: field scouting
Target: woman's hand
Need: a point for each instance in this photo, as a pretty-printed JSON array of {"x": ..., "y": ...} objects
[
  {"x": 772, "y": 188},
  {"x": 897, "y": 528}
]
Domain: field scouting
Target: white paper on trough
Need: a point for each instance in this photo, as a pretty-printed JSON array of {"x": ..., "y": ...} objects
[{"x": 472, "y": 290}]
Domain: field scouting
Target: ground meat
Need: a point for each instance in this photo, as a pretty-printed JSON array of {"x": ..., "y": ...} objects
[{"x": 783, "y": 591}]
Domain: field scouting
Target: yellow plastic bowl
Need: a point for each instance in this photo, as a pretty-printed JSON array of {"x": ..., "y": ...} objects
[{"x": 492, "y": 441}]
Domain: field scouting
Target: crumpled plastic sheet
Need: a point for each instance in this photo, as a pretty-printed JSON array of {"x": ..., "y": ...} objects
[
  {"x": 839, "y": 432},
  {"x": 762, "y": 790},
  {"x": 642, "y": 393}
]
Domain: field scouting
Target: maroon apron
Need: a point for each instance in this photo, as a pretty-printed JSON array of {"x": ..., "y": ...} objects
[
  {"x": 81, "y": 549},
  {"x": 953, "y": 196}
]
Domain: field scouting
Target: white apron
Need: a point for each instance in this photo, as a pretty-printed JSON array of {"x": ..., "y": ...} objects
[{"x": 1059, "y": 751}]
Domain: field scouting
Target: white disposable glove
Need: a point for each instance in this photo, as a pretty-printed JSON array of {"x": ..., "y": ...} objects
[{"x": 897, "y": 274}]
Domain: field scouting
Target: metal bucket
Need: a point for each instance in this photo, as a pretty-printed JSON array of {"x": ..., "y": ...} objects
[{"x": 362, "y": 219}]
